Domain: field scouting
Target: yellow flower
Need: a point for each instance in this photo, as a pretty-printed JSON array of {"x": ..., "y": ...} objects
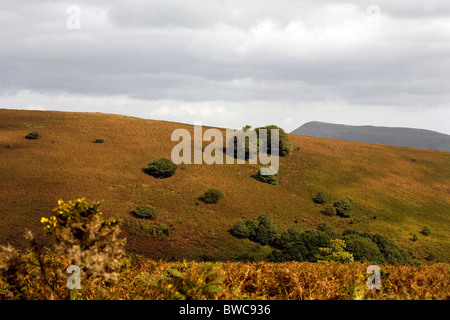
[{"x": 44, "y": 220}]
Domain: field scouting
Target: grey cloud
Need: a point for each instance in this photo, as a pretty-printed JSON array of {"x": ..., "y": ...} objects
[{"x": 231, "y": 51}]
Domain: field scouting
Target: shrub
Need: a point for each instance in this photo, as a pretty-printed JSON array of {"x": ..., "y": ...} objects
[
  {"x": 252, "y": 226},
  {"x": 344, "y": 207},
  {"x": 240, "y": 230},
  {"x": 267, "y": 230},
  {"x": 320, "y": 198},
  {"x": 189, "y": 285},
  {"x": 212, "y": 196},
  {"x": 250, "y": 148},
  {"x": 161, "y": 168},
  {"x": 414, "y": 237},
  {"x": 333, "y": 233},
  {"x": 99, "y": 140},
  {"x": 90, "y": 241},
  {"x": 309, "y": 243},
  {"x": 391, "y": 252},
  {"x": 363, "y": 249},
  {"x": 329, "y": 211},
  {"x": 9, "y": 146},
  {"x": 335, "y": 253},
  {"x": 426, "y": 231},
  {"x": 288, "y": 237},
  {"x": 145, "y": 212},
  {"x": 270, "y": 179},
  {"x": 284, "y": 142},
  {"x": 33, "y": 135}
]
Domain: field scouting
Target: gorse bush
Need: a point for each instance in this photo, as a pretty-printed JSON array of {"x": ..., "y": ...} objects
[
  {"x": 33, "y": 135},
  {"x": 90, "y": 241},
  {"x": 145, "y": 212},
  {"x": 212, "y": 196},
  {"x": 81, "y": 237},
  {"x": 161, "y": 168}
]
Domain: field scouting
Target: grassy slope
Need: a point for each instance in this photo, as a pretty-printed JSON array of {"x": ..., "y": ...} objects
[{"x": 64, "y": 164}]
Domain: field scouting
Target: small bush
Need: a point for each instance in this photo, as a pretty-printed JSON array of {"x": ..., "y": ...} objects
[
  {"x": 33, "y": 135},
  {"x": 212, "y": 196},
  {"x": 145, "y": 212},
  {"x": 161, "y": 168},
  {"x": 9, "y": 146},
  {"x": 344, "y": 207},
  {"x": 329, "y": 211},
  {"x": 320, "y": 198},
  {"x": 414, "y": 237},
  {"x": 426, "y": 231},
  {"x": 99, "y": 140},
  {"x": 270, "y": 179}
]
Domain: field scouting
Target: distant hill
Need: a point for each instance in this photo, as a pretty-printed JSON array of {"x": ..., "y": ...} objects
[{"x": 402, "y": 137}]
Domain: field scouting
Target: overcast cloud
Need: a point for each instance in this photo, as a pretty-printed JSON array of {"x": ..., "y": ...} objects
[{"x": 231, "y": 63}]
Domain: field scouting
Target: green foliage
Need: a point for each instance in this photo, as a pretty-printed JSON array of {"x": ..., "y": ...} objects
[
  {"x": 139, "y": 227},
  {"x": 309, "y": 243},
  {"x": 161, "y": 168},
  {"x": 363, "y": 249},
  {"x": 212, "y": 196},
  {"x": 426, "y": 231},
  {"x": 267, "y": 230},
  {"x": 344, "y": 207},
  {"x": 247, "y": 138},
  {"x": 250, "y": 139},
  {"x": 414, "y": 237},
  {"x": 329, "y": 210},
  {"x": 335, "y": 253},
  {"x": 288, "y": 238},
  {"x": 145, "y": 212},
  {"x": 99, "y": 140},
  {"x": 320, "y": 198},
  {"x": 240, "y": 230},
  {"x": 270, "y": 179},
  {"x": 391, "y": 252},
  {"x": 333, "y": 233},
  {"x": 33, "y": 135},
  {"x": 191, "y": 285},
  {"x": 283, "y": 143},
  {"x": 263, "y": 230}
]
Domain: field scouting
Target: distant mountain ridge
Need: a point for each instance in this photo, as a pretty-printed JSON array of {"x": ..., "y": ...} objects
[{"x": 394, "y": 136}]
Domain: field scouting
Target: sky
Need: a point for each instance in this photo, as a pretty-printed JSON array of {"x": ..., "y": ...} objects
[{"x": 229, "y": 63}]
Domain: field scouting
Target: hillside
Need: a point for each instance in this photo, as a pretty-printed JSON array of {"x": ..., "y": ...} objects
[
  {"x": 393, "y": 194},
  {"x": 402, "y": 137}
]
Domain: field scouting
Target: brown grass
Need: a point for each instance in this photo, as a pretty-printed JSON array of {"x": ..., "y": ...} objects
[{"x": 65, "y": 164}]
